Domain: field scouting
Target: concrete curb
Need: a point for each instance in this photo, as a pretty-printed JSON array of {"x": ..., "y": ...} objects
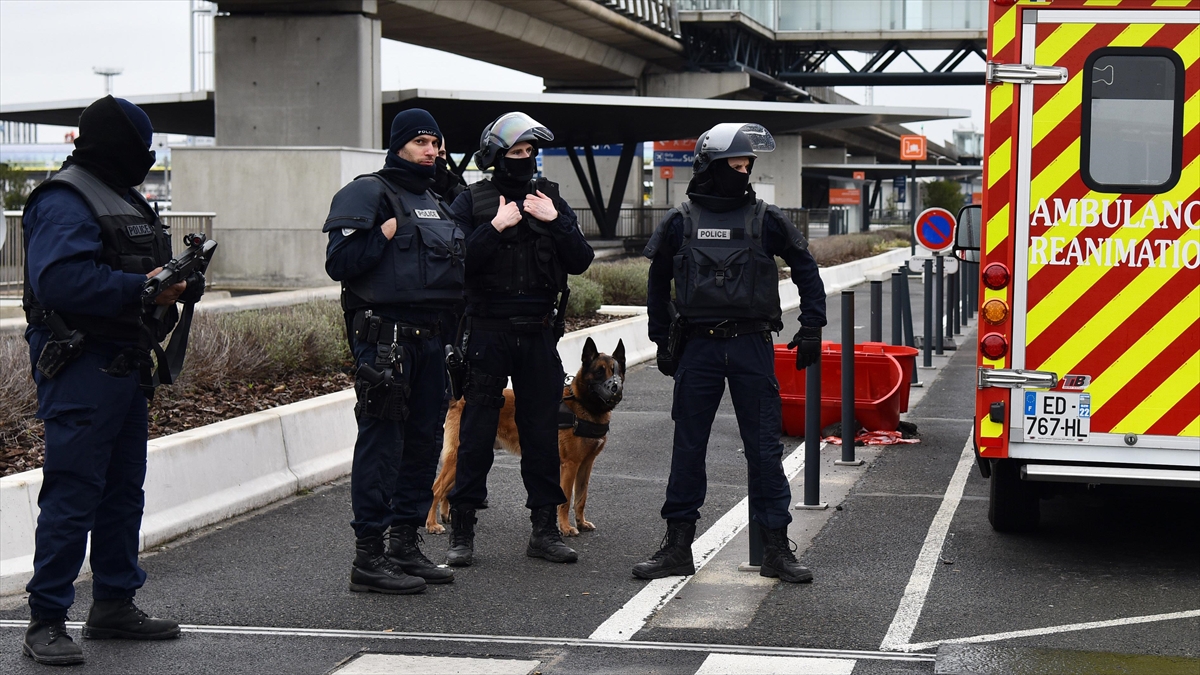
[{"x": 202, "y": 476}]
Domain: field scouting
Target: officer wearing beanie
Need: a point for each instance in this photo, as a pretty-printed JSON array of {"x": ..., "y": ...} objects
[
  {"x": 399, "y": 258},
  {"x": 719, "y": 248},
  {"x": 90, "y": 243},
  {"x": 522, "y": 242}
]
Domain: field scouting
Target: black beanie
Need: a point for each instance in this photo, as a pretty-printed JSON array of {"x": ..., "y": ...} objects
[{"x": 409, "y": 124}]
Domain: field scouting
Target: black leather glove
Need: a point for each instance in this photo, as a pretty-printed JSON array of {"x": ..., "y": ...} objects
[
  {"x": 195, "y": 288},
  {"x": 807, "y": 344},
  {"x": 666, "y": 364}
]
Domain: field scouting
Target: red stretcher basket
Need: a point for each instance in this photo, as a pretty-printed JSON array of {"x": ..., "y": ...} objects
[{"x": 880, "y": 387}]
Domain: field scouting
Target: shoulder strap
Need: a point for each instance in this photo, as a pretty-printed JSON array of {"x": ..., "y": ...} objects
[
  {"x": 100, "y": 198},
  {"x": 485, "y": 200},
  {"x": 691, "y": 219},
  {"x": 754, "y": 220}
]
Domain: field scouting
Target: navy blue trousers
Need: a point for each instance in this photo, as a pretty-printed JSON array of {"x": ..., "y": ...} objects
[
  {"x": 91, "y": 481},
  {"x": 531, "y": 360},
  {"x": 391, "y": 480},
  {"x": 748, "y": 363}
]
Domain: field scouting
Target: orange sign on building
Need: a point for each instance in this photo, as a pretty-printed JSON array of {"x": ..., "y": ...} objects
[
  {"x": 666, "y": 172},
  {"x": 860, "y": 175},
  {"x": 845, "y": 196}
]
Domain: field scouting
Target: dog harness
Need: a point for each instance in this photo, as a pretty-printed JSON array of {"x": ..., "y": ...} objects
[{"x": 582, "y": 428}]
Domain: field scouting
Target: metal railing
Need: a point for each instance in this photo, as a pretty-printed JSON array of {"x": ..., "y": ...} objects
[
  {"x": 12, "y": 254},
  {"x": 859, "y": 15},
  {"x": 657, "y": 14}
]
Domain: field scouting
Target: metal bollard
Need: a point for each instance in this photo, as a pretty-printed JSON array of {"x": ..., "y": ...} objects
[
  {"x": 974, "y": 289},
  {"x": 927, "y": 339},
  {"x": 952, "y": 302},
  {"x": 877, "y": 311},
  {"x": 897, "y": 318},
  {"x": 812, "y": 437},
  {"x": 849, "y": 426},
  {"x": 909, "y": 339},
  {"x": 939, "y": 303}
]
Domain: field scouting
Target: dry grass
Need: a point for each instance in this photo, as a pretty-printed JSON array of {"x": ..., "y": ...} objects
[{"x": 845, "y": 248}]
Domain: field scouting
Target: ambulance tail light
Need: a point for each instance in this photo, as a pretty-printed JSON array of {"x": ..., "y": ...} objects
[
  {"x": 996, "y": 276},
  {"x": 995, "y": 311},
  {"x": 994, "y": 346}
]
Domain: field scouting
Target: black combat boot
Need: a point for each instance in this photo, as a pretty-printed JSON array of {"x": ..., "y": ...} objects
[
  {"x": 546, "y": 541},
  {"x": 462, "y": 537},
  {"x": 403, "y": 550},
  {"x": 373, "y": 572},
  {"x": 779, "y": 559},
  {"x": 675, "y": 556},
  {"x": 122, "y": 620},
  {"x": 47, "y": 642}
]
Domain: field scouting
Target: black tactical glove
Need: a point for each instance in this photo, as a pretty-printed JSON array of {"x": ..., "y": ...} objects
[
  {"x": 666, "y": 363},
  {"x": 195, "y": 288},
  {"x": 807, "y": 344}
]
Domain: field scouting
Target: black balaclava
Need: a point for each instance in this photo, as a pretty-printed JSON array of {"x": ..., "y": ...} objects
[
  {"x": 720, "y": 187},
  {"x": 511, "y": 176},
  {"x": 407, "y": 125},
  {"x": 114, "y": 143}
]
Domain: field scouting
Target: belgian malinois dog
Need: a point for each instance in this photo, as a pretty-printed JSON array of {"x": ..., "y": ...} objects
[{"x": 584, "y": 416}]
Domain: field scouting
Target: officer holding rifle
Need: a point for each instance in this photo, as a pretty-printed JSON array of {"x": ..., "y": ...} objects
[{"x": 91, "y": 243}]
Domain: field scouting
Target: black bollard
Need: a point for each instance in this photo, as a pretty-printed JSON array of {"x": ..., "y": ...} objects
[
  {"x": 939, "y": 303},
  {"x": 909, "y": 339},
  {"x": 877, "y": 311},
  {"x": 927, "y": 339},
  {"x": 974, "y": 304},
  {"x": 849, "y": 426},
  {"x": 956, "y": 302},
  {"x": 812, "y": 436},
  {"x": 897, "y": 318}
]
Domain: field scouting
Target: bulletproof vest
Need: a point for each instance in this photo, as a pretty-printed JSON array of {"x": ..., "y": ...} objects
[
  {"x": 721, "y": 270},
  {"x": 134, "y": 240},
  {"x": 526, "y": 260},
  {"x": 423, "y": 263}
]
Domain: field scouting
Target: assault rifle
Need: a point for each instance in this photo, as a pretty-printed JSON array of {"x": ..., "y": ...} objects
[{"x": 195, "y": 259}]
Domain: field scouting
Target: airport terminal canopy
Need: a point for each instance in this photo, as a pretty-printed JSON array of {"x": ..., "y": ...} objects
[
  {"x": 888, "y": 171},
  {"x": 575, "y": 119}
]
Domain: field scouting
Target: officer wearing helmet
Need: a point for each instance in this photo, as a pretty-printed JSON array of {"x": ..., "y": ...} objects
[
  {"x": 719, "y": 248},
  {"x": 522, "y": 242},
  {"x": 399, "y": 258}
]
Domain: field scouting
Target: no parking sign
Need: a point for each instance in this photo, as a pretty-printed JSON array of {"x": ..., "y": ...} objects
[{"x": 934, "y": 229}]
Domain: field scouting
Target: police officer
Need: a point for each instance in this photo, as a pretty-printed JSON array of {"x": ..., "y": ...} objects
[
  {"x": 719, "y": 248},
  {"x": 522, "y": 242},
  {"x": 400, "y": 260},
  {"x": 446, "y": 184},
  {"x": 90, "y": 243}
]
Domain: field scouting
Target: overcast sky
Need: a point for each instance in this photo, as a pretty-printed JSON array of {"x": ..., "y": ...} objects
[{"x": 49, "y": 47}]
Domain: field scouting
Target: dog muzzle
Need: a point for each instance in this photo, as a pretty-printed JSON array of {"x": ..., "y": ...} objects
[{"x": 609, "y": 391}]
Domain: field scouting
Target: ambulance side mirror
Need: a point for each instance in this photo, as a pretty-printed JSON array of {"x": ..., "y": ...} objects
[{"x": 967, "y": 235}]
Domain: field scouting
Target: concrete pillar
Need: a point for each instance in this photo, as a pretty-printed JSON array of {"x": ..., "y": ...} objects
[
  {"x": 782, "y": 167},
  {"x": 298, "y": 80}
]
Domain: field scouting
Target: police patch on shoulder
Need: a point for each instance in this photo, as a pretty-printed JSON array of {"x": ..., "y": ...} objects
[
  {"x": 709, "y": 233},
  {"x": 427, "y": 213},
  {"x": 139, "y": 230}
]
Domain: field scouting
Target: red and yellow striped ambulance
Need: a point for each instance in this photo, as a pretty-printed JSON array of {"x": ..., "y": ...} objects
[{"x": 1089, "y": 249}]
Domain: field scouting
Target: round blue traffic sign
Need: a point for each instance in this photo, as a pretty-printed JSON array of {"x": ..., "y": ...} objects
[{"x": 934, "y": 229}]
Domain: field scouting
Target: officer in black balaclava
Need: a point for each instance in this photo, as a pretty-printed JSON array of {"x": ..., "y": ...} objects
[
  {"x": 727, "y": 293},
  {"x": 446, "y": 184},
  {"x": 90, "y": 243},
  {"x": 400, "y": 260},
  {"x": 522, "y": 242}
]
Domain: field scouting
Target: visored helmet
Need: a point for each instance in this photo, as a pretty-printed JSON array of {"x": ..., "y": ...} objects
[
  {"x": 506, "y": 131},
  {"x": 731, "y": 139}
]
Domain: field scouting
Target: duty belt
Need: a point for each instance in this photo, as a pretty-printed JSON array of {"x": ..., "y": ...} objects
[
  {"x": 373, "y": 329},
  {"x": 728, "y": 329},
  {"x": 517, "y": 324}
]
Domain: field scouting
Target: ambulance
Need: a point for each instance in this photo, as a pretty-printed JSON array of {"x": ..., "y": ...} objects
[{"x": 1088, "y": 244}]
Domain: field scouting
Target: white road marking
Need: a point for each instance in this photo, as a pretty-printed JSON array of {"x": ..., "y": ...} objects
[
  {"x": 729, "y": 664},
  {"x": 1051, "y": 630},
  {"x": 909, "y": 611},
  {"x": 632, "y": 617},
  {"x": 403, "y": 664},
  {"x": 340, "y": 634}
]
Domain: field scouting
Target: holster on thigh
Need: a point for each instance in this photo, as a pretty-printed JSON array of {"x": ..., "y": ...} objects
[
  {"x": 484, "y": 390},
  {"x": 383, "y": 390}
]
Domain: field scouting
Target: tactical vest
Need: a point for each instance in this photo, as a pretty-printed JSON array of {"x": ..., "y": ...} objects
[
  {"x": 526, "y": 261},
  {"x": 423, "y": 263},
  {"x": 722, "y": 271},
  {"x": 134, "y": 240}
]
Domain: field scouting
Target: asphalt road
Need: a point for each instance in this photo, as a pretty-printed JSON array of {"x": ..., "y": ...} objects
[{"x": 1097, "y": 558}]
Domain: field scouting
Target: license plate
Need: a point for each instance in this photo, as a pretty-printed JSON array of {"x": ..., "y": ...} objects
[{"x": 1057, "y": 416}]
